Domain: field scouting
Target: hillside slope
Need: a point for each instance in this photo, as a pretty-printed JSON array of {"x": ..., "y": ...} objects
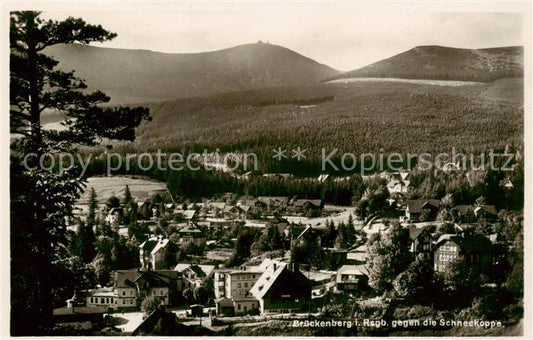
[
  {"x": 132, "y": 76},
  {"x": 354, "y": 117},
  {"x": 445, "y": 63}
]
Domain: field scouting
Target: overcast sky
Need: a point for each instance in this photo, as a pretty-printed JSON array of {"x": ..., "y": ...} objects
[{"x": 344, "y": 36}]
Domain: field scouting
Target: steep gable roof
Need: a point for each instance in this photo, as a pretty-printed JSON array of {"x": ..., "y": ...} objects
[
  {"x": 269, "y": 199},
  {"x": 126, "y": 278},
  {"x": 305, "y": 231},
  {"x": 189, "y": 214},
  {"x": 416, "y": 206},
  {"x": 201, "y": 270},
  {"x": 415, "y": 231},
  {"x": 149, "y": 245},
  {"x": 158, "y": 278},
  {"x": 161, "y": 245},
  {"x": 266, "y": 280},
  {"x": 471, "y": 243},
  {"x": 197, "y": 270},
  {"x": 489, "y": 209},
  {"x": 302, "y": 202},
  {"x": 189, "y": 230}
]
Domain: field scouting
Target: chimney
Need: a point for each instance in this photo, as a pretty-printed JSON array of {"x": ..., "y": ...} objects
[{"x": 293, "y": 267}]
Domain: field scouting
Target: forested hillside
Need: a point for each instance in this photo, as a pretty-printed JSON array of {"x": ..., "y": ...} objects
[
  {"x": 445, "y": 63},
  {"x": 355, "y": 118}
]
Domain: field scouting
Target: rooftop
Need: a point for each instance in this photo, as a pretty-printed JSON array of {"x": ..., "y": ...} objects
[{"x": 416, "y": 206}]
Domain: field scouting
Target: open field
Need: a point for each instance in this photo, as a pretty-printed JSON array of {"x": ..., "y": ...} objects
[
  {"x": 106, "y": 187},
  {"x": 407, "y": 81},
  {"x": 320, "y": 222}
]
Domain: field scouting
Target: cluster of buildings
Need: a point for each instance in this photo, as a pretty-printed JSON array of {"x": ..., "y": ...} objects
[
  {"x": 249, "y": 208},
  {"x": 273, "y": 286},
  {"x": 427, "y": 210},
  {"x": 442, "y": 249},
  {"x": 224, "y": 211},
  {"x": 131, "y": 287},
  {"x": 270, "y": 287}
]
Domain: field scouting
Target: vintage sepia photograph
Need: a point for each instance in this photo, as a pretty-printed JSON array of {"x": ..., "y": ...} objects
[{"x": 266, "y": 168}]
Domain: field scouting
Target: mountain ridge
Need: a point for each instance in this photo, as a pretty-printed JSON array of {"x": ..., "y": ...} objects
[
  {"x": 134, "y": 76},
  {"x": 437, "y": 62}
]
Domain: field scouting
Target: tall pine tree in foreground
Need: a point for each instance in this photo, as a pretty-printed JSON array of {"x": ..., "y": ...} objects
[{"x": 41, "y": 199}]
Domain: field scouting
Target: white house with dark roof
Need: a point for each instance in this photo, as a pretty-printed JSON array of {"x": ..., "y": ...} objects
[
  {"x": 194, "y": 275},
  {"x": 123, "y": 294},
  {"x": 152, "y": 252},
  {"x": 421, "y": 241},
  {"x": 281, "y": 289},
  {"x": 422, "y": 209},
  {"x": 475, "y": 249}
]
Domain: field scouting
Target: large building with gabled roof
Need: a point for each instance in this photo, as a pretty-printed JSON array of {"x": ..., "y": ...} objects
[
  {"x": 282, "y": 289},
  {"x": 154, "y": 252},
  {"x": 474, "y": 249}
]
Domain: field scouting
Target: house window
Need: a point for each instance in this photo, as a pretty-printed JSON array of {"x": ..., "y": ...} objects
[
  {"x": 123, "y": 292},
  {"x": 246, "y": 285},
  {"x": 239, "y": 306},
  {"x": 131, "y": 292},
  {"x": 239, "y": 285},
  {"x": 162, "y": 292}
]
